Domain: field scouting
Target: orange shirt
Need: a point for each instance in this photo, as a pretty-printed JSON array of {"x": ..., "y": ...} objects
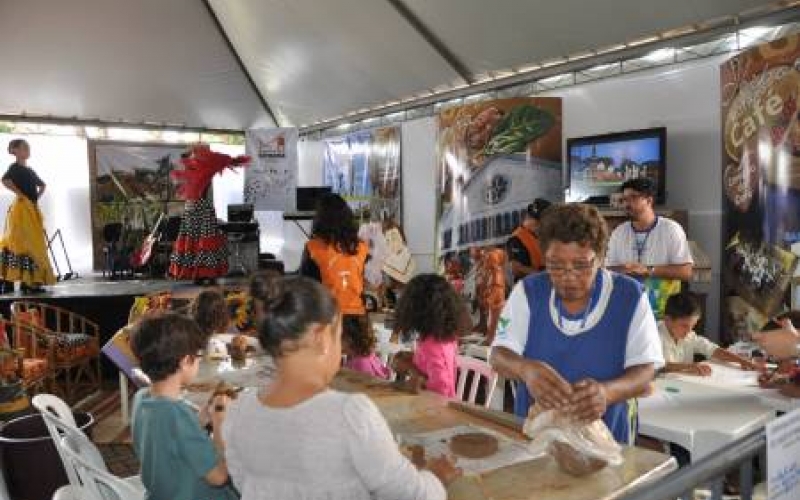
[{"x": 341, "y": 273}]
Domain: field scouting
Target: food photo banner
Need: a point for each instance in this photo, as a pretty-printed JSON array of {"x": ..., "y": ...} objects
[
  {"x": 270, "y": 181},
  {"x": 493, "y": 159},
  {"x": 364, "y": 168},
  {"x": 761, "y": 183}
]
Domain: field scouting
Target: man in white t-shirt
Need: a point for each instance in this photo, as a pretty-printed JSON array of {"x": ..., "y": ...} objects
[{"x": 649, "y": 248}]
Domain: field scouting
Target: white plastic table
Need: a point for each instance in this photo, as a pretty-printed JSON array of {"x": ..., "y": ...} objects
[
  {"x": 699, "y": 417},
  {"x": 730, "y": 378}
]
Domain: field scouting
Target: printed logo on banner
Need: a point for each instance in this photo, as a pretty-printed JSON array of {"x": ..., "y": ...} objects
[
  {"x": 270, "y": 182},
  {"x": 274, "y": 147},
  {"x": 498, "y": 188}
]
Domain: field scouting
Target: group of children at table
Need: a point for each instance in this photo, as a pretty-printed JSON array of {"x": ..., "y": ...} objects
[{"x": 296, "y": 438}]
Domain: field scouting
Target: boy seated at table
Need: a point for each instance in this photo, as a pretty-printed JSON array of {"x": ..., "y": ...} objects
[
  {"x": 681, "y": 344},
  {"x": 178, "y": 459}
]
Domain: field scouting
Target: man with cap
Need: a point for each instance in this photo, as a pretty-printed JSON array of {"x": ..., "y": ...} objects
[{"x": 523, "y": 248}]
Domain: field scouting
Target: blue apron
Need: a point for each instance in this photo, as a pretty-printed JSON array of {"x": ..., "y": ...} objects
[{"x": 597, "y": 353}]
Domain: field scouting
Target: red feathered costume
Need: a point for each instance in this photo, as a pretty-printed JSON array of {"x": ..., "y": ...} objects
[{"x": 201, "y": 249}]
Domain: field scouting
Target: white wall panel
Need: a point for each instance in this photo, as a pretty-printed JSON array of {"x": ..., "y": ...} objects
[{"x": 419, "y": 190}]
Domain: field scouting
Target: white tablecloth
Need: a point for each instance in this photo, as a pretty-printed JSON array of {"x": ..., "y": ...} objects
[
  {"x": 699, "y": 417},
  {"x": 730, "y": 378}
]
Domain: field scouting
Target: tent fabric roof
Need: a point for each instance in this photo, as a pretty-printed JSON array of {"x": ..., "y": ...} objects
[
  {"x": 160, "y": 61},
  {"x": 168, "y": 62}
]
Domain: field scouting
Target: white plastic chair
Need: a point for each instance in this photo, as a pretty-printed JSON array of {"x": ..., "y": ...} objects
[
  {"x": 54, "y": 404},
  {"x": 98, "y": 483},
  {"x": 55, "y": 410},
  {"x": 480, "y": 370},
  {"x": 63, "y": 430},
  {"x": 69, "y": 492},
  {"x": 498, "y": 401},
  {"x": 60, "y": 424}
]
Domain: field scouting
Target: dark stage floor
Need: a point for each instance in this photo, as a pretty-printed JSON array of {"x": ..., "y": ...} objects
[
  {"x": 108, "y": 302},
  {"x": 97, "y": 286}
]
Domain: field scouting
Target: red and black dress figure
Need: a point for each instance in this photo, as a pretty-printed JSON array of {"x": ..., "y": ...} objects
[{"x": 200, "y": 251}]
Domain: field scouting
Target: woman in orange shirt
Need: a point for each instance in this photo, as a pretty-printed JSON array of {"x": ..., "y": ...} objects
[{"x": 335, "y": 256}]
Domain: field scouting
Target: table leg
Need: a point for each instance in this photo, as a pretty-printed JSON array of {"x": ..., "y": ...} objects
[
  {"x": 297, "y": 223},
  {"x": 123, "y": 398}
]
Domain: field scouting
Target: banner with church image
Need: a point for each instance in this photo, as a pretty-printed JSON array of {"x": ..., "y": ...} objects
[
  {"x": 493, "y": 158},
  {"x": 760, "y": 89}
]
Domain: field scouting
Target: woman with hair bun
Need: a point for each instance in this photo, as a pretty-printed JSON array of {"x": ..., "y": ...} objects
[{"x": 298, "y": 438}]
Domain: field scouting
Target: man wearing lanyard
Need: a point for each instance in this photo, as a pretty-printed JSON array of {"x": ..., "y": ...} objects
[{"x": 650, "y": 248}]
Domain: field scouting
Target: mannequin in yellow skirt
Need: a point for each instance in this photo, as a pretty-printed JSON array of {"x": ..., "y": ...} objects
[{"x": 23, "y": 250}]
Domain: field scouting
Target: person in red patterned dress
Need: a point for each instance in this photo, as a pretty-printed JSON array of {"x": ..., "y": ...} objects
[{"x": 200, "y": 251}]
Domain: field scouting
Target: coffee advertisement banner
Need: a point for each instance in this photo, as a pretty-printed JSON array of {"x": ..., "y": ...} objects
[
  {"x": 761, "y": 184},
  {"x": 493, "y": 159}
]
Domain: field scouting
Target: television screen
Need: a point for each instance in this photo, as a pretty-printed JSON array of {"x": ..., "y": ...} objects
[{"x": 598, "y": 165}]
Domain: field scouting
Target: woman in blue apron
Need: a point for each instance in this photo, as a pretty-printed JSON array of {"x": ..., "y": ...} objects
[{"x": 580, "y": 339}]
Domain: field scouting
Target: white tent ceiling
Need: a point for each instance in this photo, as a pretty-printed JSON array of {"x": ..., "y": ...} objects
[
  {"x": 134, "y": 60},
  {"x": 167, "y": 61}
]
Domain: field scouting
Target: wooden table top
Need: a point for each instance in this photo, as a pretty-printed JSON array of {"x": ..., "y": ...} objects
[{"x": 538, "y": 479}]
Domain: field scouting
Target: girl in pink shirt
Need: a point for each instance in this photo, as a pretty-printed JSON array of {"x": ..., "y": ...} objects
[
  {"x": 430, "y": 306},
  {"x": 358, "y": 344}
]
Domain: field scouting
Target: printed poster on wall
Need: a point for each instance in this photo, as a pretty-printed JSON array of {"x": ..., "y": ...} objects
[
  {"x": 270, "y": 181},
  {"x": 130, "y": 187},
  {"x": 493, "y": 159},
  {"x": 783, "y": 457},
  {"x": 364, "y": 168},
  {"x": 761, "y": 183}
]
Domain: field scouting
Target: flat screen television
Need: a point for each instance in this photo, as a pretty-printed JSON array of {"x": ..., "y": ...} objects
[
  {"x": 599, "y": 164},
  {"x": 308, "y": 197}
]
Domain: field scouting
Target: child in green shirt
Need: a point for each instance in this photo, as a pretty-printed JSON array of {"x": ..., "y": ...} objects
[{"x": 178, "y": 459}]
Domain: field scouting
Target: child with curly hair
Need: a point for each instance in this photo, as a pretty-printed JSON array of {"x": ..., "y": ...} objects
[
  {"x": 431, "y": 307},
  {"x": 210, "y": 311},
  {"x": 358, "y": 344}
]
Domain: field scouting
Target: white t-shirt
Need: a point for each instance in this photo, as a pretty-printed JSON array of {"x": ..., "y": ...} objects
[
  {"x": 665, "y": 244},
  {"x": 643, "y": 344},
  {"x": 333, "y": 446},
  {"x": 372, "y": 234},
  {"x": 684, "y": 350}
]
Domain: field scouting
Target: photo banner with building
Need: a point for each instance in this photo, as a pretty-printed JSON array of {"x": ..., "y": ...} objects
[
  {"x": 493, "y": 159},
  {"x": 364, "y": 168},
  {"x": 761, "y": 184},
  {"x": 270, "y": 181}
]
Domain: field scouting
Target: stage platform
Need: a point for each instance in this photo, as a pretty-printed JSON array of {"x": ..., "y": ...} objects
[
  {"x": 97, "y": 286},
  {"x": 108, "y": 302}
]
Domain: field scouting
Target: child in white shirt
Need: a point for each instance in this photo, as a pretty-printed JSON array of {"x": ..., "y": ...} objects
[{"x": 680, "y": 343}]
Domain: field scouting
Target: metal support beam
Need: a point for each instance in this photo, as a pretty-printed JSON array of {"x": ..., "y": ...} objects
[
  {"x": 791, "y": 14},
  {"x": 239, "y": 61},
  {"x": 95, "y": 122},
  {"x": 434, "y": 41}
]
